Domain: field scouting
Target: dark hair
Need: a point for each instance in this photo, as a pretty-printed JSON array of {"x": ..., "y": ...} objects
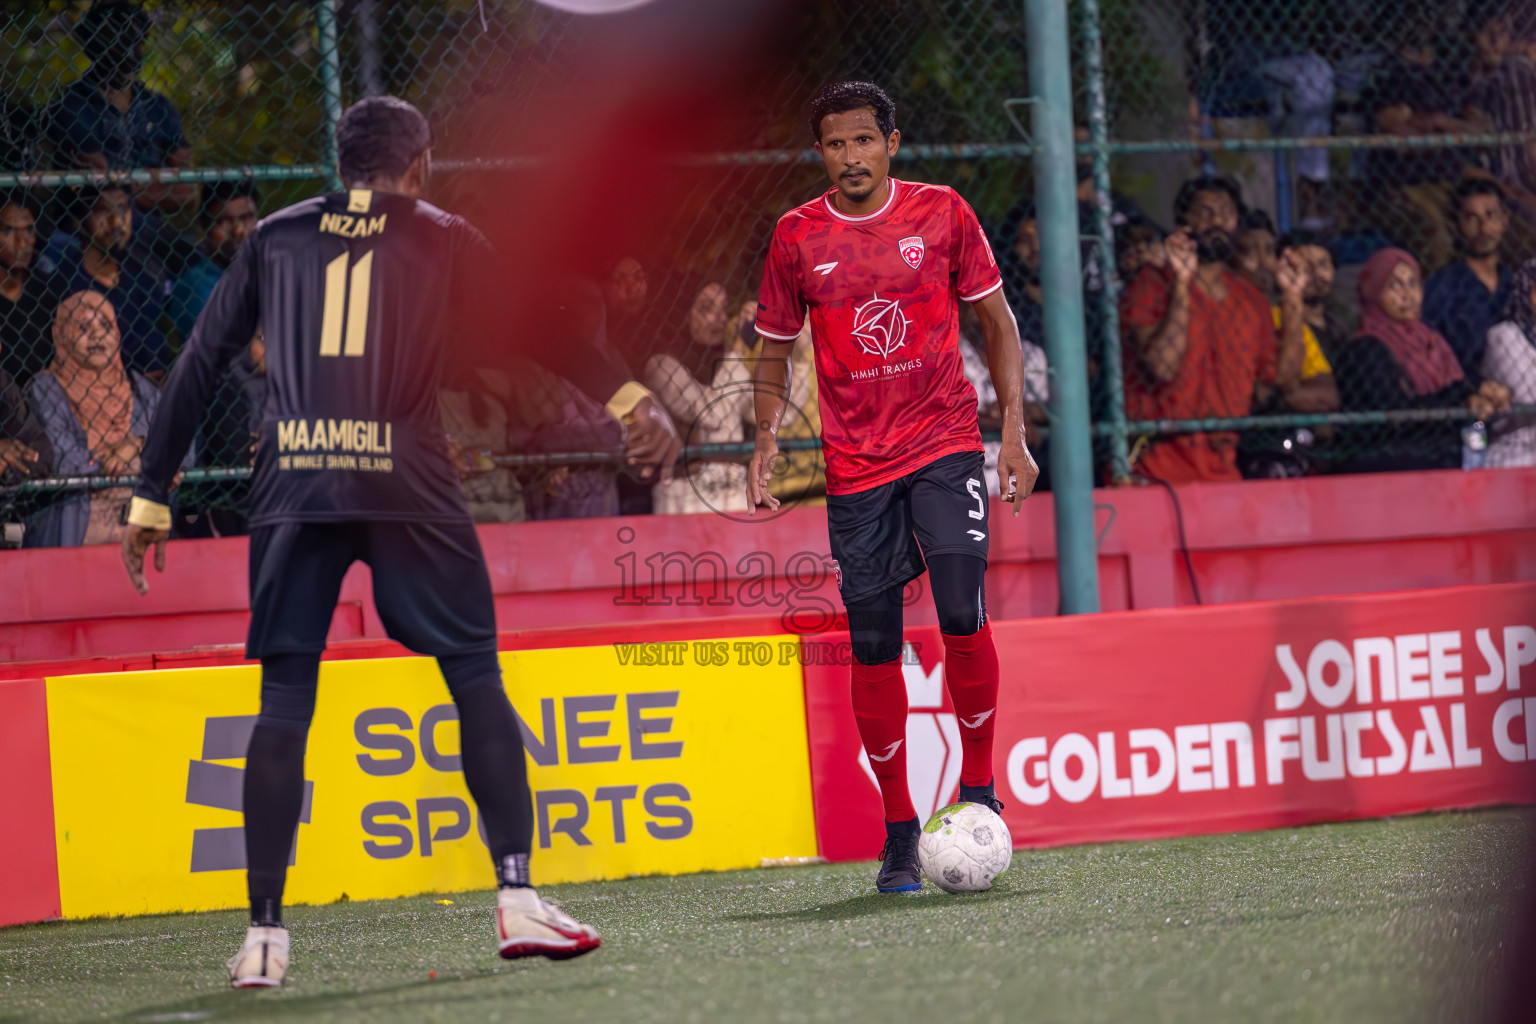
[
  {"x": 1008, "y": 227},
  {"x": 1300, "y": 238},
  {"x": 841, "y": 97},
  {"x": 1206, "y": 183},
  {"x": 381, "y": 135},
  {"x": 1469, "y": 187},
  {"x": 22, "y": 199},
  {"x": 217, "y": 194},
  {"x": 108, "y": 25},
  {"x": 1256, "y": 220}
]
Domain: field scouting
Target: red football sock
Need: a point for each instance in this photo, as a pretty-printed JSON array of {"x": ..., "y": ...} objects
[
  {"x": 880, "y": 706},
  {"x": 970, "y": 668}
]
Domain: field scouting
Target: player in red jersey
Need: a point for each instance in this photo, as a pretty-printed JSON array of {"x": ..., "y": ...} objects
[{"x": 878, "y": 265}]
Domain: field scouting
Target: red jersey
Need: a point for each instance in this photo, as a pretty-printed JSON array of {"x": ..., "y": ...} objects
[{"x": 881, "y": 292}]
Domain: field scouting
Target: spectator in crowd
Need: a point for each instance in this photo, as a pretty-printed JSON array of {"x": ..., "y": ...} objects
[
  {"x": 18, "y": 136},
  {"x": 703, "y": 380},
  {"x": 27, "y": 297},
  {"x": 1323, "y": 337},
  {"x": 1285, "y": 280},
  {"x": 1397, "y": 361},
  {"x": 546, "y": 414},
  {"x": 1468, "y": 296},
  {"x": 229, "y": 213},
  {"x": 96, "y": 413},
  {"x": 1511, "y": 361},
  {"x": 1201, "y": 338},
  {"x": 137, "y": 284},
  {"x": 1502, "y": 98},
  {"x": 1256, "y": 258},
  {"x": 477, "y": 426},
  {"x": 108, "y": 120},
  {"x": 1414, "y": 93},
  {"x": 1139, "y": 244},
  {"x": 24, "y": 448},
  {"x": 627, "y": 295}
]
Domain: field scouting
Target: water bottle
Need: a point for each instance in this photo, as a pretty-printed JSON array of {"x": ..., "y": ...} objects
[{"x": 1474, "y": 445}]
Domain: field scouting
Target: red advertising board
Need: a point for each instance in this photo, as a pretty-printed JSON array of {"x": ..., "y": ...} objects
[
  {"x": 1160, "y": 723},
  {"x": 29, "y": 871}
]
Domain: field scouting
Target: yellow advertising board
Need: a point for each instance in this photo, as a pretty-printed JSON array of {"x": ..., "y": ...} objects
[{"x": 658, "y": 759}]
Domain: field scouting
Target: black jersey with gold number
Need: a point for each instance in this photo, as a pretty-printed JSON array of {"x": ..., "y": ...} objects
[{"x": 360, "y": 296}]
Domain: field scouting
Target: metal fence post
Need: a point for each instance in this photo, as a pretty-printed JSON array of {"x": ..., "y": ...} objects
[
  {"x": 1050, "y": 82},
  {"x": 330, "y": 82},
  {"x": 1098, "y": 136}
]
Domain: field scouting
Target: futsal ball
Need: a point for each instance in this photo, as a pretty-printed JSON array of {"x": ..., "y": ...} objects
[{"x": 964, "y": 847}]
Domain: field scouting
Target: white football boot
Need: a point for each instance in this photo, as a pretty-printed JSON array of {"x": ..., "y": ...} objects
[
  {"x": 527, "y": 926},
  {"x": 263, "y": 961}
]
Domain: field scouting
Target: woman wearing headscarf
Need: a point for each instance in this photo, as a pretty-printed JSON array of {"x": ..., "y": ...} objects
[
  {"x": 1511, "y": 360},
  {"x": 96, "y": 414},
  {"x": 1397, "y": 361},
  {"x": 702, "y": 376}
]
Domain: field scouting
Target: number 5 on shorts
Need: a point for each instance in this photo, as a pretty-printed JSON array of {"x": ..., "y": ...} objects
[
  {"x": 973, "y": 488},
  {"x": 356, "y": 310}
]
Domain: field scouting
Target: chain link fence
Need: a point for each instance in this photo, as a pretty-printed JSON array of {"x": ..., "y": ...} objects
[{"x": 140, "y": 141}]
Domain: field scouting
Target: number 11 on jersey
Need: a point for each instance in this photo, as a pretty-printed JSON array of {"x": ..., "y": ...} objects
[{"x": 356, "y": 309}]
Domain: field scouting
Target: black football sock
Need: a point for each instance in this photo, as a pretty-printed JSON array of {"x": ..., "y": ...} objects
[
  {"x": 903, "y": 828},
  {"x": 274, "y": 797},
  {"x": 496, "y": 770},
  {"x": 976, "y": 794}
]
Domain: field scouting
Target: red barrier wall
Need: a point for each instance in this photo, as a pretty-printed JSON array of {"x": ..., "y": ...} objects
[
  {"x": 1165, "y": 723},
  {"x": 1257, "y": 540},
  {"x": 28, "y": 859}
]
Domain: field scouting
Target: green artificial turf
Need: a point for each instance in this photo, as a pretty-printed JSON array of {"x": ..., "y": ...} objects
[{"x": 1393, "y": 920}]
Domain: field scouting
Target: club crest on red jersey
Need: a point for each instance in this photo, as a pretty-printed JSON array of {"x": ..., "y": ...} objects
[
  {"x": 880, "y": 327},
  {"x": 911, "y": 249}
]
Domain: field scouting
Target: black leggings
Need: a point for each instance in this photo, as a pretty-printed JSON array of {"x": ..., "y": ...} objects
[{"x": 959, "y": 596}]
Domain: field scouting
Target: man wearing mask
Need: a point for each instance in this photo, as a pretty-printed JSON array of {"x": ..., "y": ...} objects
[
  {"x": 108, "y": 120},
  {"x": 1200, "y": 339}
]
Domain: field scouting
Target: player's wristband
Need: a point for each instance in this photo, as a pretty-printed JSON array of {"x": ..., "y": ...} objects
[
  {"x": 151, "y": 515},
  {"x": 624, "y": 400}
]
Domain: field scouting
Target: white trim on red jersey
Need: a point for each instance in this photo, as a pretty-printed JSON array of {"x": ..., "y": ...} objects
[
  {"x": 782, "y": 337},
  {"x": 982, "y": 294},
  {"x": 884, "y": 207}
]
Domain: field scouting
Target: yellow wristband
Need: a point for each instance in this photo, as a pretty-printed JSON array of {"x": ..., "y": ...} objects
[
  {"x": 624, "y": 400},
  {"x": 151, "y": 515}
]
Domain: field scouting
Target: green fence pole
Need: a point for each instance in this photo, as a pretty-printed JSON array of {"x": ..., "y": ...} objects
[
  {"x": 1098, "y": 137},
  {"x": 1061, "y": 275},
  {"x": 330, "y": 82}
]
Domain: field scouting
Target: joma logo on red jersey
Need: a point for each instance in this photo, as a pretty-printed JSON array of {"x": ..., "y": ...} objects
[
  {"x": 911, "y": 249},
  {"x": 880, "y": 327}
]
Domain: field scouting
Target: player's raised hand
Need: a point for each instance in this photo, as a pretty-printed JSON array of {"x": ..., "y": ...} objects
[
  {"x": 136, "y": 542},
  {"x": 651, "y": 441},
  {"x": 760, "y": 472},
  {"x": 1016, "y": 470}
]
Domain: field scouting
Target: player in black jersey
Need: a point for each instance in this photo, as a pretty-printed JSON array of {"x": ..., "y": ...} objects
[{"x": 362, "y": 297}]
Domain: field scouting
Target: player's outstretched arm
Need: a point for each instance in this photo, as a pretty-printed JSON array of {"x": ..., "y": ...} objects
[
  {"x": 1016, "y": 469},
  {"x": 770, "y": 390},
  {"x": 225, "y": 326}
]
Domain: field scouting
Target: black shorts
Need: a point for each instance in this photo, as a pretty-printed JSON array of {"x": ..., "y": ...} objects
[
  {"x": 429, "y": 584},
  {"x": 881, "y": 536}
]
